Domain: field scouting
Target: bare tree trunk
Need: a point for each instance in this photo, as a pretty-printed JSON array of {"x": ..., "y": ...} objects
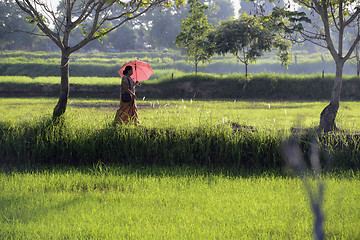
[
  {"x": 328, "y": 115},
  {"x": 196, "y": 67},
  {"x": 246, "y": 70},
  {"x": 357, "y": 61},
  {"x": 60, "y": 107}
]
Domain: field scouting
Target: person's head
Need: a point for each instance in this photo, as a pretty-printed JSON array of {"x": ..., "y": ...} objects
[{"x": 127, "y": 70}]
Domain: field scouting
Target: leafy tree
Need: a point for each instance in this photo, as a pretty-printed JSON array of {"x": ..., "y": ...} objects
[
  {"x": 259, "y": 7},
  {"x": 193, "y": 36},
  {"x": 163, "y": 24},
  {"x": 219, "y": 10},
  {"x": 123, "y": 38},
  {"x": 336, "y": 18},
  {"x": 351, "y": 35},
  {"x": 11, "y": 20},
  {"x": 248, "y": 38},
  {"x": 91, "y": 17}
]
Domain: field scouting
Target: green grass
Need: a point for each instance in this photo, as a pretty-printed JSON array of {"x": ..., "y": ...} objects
[
  {"x": 124, "y": 203},
  {"x": 96, "y": 113},
  {"x": 153, "y": 57},
  {"x": 216, "y": 134},
  {"x": 105, "y": 64},
  {"x": 183, "y": 195},
  {"x": 158, "y": 76}
]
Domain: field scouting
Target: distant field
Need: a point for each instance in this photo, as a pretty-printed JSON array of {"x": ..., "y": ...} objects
[{"x": 106, "y": 64}]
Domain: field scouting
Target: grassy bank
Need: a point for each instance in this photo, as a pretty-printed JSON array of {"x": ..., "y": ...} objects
[
  {"x": 178, "y": 85},
  {"x": 214, "y": 134}
]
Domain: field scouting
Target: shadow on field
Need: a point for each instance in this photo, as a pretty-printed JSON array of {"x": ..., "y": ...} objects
[
  {"x": 30, "y": 208},
  {"x": 107, "y": 105}
]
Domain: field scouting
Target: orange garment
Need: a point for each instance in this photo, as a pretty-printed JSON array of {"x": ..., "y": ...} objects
[{"x": 127, "y": 112}]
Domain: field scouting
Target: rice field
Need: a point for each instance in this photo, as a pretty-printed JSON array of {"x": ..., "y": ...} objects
[
  {"x": 105, "y": 201},
  {"x": 124, "y": 203}
]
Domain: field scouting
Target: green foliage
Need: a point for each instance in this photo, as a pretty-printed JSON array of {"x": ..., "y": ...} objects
[
  {"x": 193, "y": 36},
  {"x": 289, "y": 21},
  {"x": 14, "y": 25},
  {"x": 247, "y": 38}
]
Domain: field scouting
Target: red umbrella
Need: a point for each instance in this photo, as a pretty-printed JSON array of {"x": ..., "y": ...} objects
[{"x": 141, "y": 70}]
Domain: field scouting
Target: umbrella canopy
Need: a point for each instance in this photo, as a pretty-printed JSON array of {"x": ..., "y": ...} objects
[{"x": 141, "y": 70}]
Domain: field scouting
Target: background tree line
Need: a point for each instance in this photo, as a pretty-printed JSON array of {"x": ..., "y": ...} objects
[{"x": 157, "y": 28}]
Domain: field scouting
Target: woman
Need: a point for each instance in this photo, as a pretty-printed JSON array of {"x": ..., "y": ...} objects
[{"x": 127, "y": 112}]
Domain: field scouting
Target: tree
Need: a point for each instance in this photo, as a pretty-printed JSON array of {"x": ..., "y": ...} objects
[
  {"x": 336, "y": 18},
  {"x": 163, "y": 24},
  {"x": 90, "y": 16},
  {"x": 193, "y": 36},
  {"x": 219, "y": 10},
  {"x": 123, "y": 38},
  {"x": 247, "y": 38},
  {"x": 260, "y": 7},
  {"x": 356, "y": 60},
  {"x": 12, "y": 19}
]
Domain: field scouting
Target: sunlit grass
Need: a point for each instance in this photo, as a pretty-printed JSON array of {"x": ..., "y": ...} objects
[
  {"x": 120, "y": 203},
  {"x": 123, "y": 202},
  {"x": 181, "y": 113}
]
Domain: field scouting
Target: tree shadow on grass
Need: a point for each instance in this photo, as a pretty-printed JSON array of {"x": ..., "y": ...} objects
[{"x": 30, "y": 207}]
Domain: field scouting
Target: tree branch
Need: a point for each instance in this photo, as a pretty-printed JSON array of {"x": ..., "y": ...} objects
[
  {"x": 27, "y": 7},
  {"x": 337, "y": 26},
  {"x": 357, "y": 13},
  {"x": 353, "y": 46}
]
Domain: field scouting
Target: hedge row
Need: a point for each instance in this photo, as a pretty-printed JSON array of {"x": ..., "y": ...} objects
[{"x": 207, "y": 86}]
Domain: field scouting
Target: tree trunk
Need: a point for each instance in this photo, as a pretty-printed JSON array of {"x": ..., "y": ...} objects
[
  {"x": 246, "y": 70},
  {"x": 196, "y": 67},
  {"x": 64, "y": 87},
  {"x": 328, "y": 115}
]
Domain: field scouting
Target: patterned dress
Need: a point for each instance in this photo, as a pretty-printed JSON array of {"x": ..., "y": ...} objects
[{"x": 127, "y": 112}]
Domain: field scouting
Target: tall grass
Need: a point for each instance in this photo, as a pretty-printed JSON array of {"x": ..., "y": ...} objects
[
  {"x": 193, "y": 170},
  {"x": 217, "y": 134},
  {"x": 105, "y": 202}
]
